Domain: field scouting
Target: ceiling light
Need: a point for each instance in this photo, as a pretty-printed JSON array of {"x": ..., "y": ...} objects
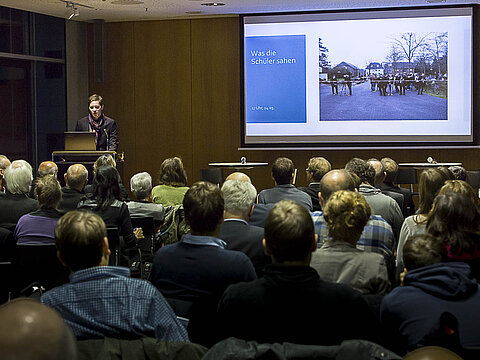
[
  {"x": 213, "y": 4},
  {"x": 72, "y": 10}
]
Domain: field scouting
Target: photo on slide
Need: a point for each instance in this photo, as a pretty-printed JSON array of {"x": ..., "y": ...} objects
[{"x": 383, "y": 75}]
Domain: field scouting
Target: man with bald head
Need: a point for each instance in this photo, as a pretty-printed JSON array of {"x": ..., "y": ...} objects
[
  {"x": 4, "y": 162},
  {"x": 238, "y": 176},
  {"x": 45, "y": 168},
  {"x": 76, "y": 178},
  {"x": 31, "y": 330},
  {"x": 377, "y": 235}
]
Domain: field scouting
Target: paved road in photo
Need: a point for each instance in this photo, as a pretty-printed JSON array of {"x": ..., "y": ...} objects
[{"x": 367, "y": 105}]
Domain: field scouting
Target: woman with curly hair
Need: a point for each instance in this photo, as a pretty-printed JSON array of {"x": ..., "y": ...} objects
[
  {"x": 338, "y": 260},
  {"x": 173, "y": 183}
]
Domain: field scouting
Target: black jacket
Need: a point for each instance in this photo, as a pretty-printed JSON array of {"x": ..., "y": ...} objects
[{"x": 109, "y": 125}]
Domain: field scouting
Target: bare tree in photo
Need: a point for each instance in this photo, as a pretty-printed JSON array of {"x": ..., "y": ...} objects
[
  {"x": 438, "y": 48},
  {"x": 394, "y": 56},
  {"x": 410, "y": 43}
]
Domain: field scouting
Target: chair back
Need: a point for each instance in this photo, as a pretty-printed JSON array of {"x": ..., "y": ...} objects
[
  {"x": 147, "y": 224},
  {"x": 114, "y": 244},
  {"x": 39, "y": 263},
  {"x": 473, "y": 178},
  {"x": 407, "y": 176}
]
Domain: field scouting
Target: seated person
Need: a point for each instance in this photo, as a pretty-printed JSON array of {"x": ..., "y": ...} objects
[
  {"x": 38, "y": 227},
  {"x": 200, "y": 265},
  {"x": 239, "y": 197},
  {"x": 104, "y": 160},
  {"x": 317, "y": 167},
  {"x": 338, "y": 260},
  {"x": 31, "y": 330},
  {"x": 141, "y": 187},
  {"x": 391, "y": 172},
  {"x": 173, "y": 183},
  {"x": 105, "y": 201},
  {"x": 277, "y": 307},
  {"x": 4, "y": 163},
  {"x": 16, "y": 202},
  {"x": 283, "y": 172},
  {"x": 46, "y": 168},
  {"x": 103, "y": 300},
  {"x": 430, "y": 287},
  {"x": 76, "y": 178}
]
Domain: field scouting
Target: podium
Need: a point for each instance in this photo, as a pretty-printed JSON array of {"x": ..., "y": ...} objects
[{"x": 65, "y": 158}]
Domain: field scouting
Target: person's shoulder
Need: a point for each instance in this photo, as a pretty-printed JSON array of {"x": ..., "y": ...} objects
[{"x": 108, "y": 120}]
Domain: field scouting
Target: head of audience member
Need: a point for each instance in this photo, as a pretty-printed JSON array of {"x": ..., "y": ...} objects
[
  {"x": 333, "y": 181},
  {"x": 346, "y": 214},
  {"x": 362, "y": 169},
  {"x": 104, "y": 160},
  {"x": 455, "y": 219},
  {"x": 446, "y": 172},
  {"x": 283, "y": 171},
  {"x": 95, "y": 106},
  {"x": 289, "y": 234},
  {"x": 391, "y": 169},
  {"x": 239, "y": 197},
  {"x": 47, "y": 168},
  {"x": 76, "y": 177},
  {"x": 18, "y": 177},
  {"x": 462, "y": 187},
  {"x": 432, "y": 353},
  {"x": 48, "y": 192},
  {"x": 422, "y": 250},
  {"x": 4, "y": 163},
  {"x": 81, "y": 240},
  {"x": 106, "y": 187},
  {"x": 141, "y": 186},
  {"x": 429, "y": 184},
  {"x": 380, "y": 173},
  {"x": 238, "y": 176},
  {"x": 203, "y": 204},
  {"x": 30, "y": 330},
  {"x": 459, "y": 172},
  {"x": 317, "y": 167},
  {"x": 172, "y": 172}
]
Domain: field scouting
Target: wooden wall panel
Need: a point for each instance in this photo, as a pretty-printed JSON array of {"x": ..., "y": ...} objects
[
  {"x": 162, "y": 94},
  {"x": 174, "y": 87}
]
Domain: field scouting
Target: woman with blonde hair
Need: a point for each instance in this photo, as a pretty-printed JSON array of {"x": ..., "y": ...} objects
[{"x": 339, "y": 260}]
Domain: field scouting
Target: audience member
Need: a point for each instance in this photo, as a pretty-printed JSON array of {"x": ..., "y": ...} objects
[
  {"x": 459, "y": 172},
  {"x": 446, "y": 172},
  {"x": 338, "y": 260},
  {"x": 380, "y": 175},
  {"x": 45, "y": 168},
  {"x": 260, "y": 211},
  {"x": 105, "y": 160},
  {"x": 380, "y": 204},
  {"x": 275, "y": 308},
  {"x": 462, "y": 187},
  {"x": 391, "y": 171},
  {"x": 429, "y": 184},
  {"x": 38, "y": 227},
  {"x": 16, "y": 202},
  {"x": 172, "y": 183},
  {"x": 200, "y": 265},
  {"x": 31, "y": 330},
  {"x": 105, "y": 201},
  {"x": 103, "y": 300},
  {"x": 76, "y": 178},
  {"x": 431, "y": 288},
  {"x": 283, "y": 172},
  {"x": 377, "y": 235},
  {"x": 141, "y": 187},
  {"x": 317, "y": 167},
  {"x": 455, "y": 219},
  {"x": 239, "y": 197},
  {"x": 4, "y": 163}
]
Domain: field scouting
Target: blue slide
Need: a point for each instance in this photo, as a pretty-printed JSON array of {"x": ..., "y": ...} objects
[{"x": 275, "y": 73}]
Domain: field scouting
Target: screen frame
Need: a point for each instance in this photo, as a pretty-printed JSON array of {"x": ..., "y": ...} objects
[{"x": 420, "y": 143}]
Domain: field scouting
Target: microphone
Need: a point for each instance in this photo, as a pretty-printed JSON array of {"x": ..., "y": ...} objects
[
  {"x": 243, "y": 160},
  {"x": 108, "y": 138},
  {"x": 431, "y": 160}
]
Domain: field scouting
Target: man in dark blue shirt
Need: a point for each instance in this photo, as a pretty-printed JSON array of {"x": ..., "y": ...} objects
[{"x": 103, "y": 300}]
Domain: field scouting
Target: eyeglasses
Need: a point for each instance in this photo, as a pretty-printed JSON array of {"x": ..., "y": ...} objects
[{"x": 307, "y": 170}]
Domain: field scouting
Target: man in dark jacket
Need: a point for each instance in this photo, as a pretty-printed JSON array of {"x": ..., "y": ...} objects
[
  {"x": 431, "y": 288},
  {"x": 277, "y": 307},
  {"x": 317, "y": 167},
  {"x": 76, "y": 178}
]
